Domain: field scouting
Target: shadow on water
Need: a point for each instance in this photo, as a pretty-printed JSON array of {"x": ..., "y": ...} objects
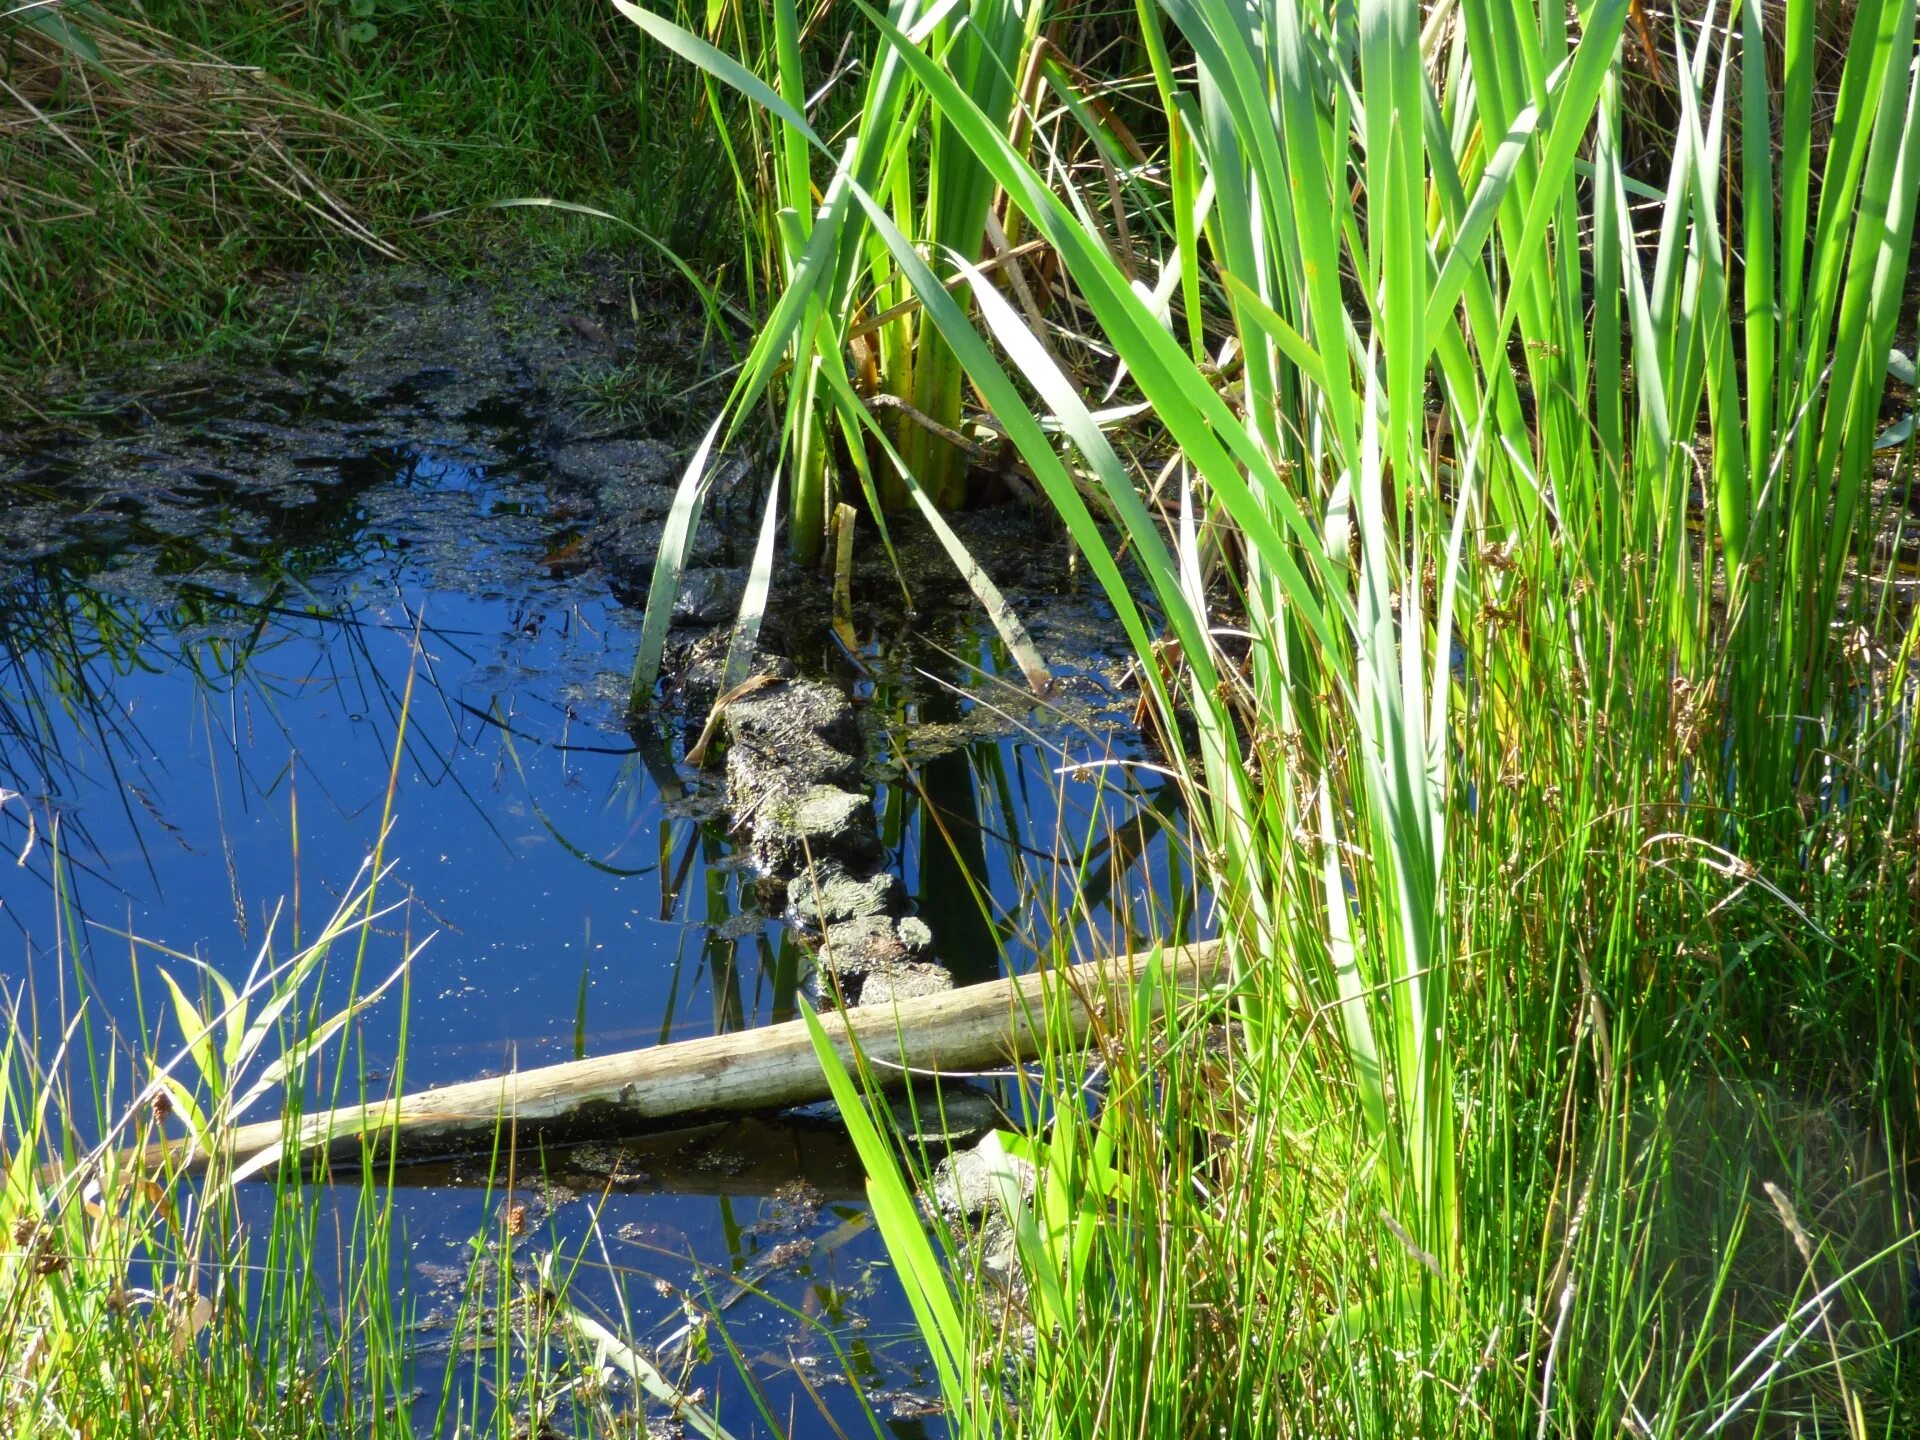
[{"x": 213, "y": 630}]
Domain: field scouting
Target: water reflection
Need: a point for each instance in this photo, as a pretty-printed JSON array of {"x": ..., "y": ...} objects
[
  {"x": 1065, "y": 841},
  {"x": 237, "y": 647},
  {"x": 228, "y": 661},
  {"x": 205, "y": 751}
]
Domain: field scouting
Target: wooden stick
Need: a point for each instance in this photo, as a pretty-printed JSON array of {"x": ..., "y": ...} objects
[{"x": 978, "y": 1027}]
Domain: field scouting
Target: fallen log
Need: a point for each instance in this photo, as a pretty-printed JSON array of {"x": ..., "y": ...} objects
[{"x": 771, "y": 1068}]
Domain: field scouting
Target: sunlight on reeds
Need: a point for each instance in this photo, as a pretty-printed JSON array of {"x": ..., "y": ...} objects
[{"x": 1504, "y": 530}]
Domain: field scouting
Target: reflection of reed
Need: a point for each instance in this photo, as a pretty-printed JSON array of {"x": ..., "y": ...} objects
[
  {"x": 955, "y": 883},
  {"x": 121, "y": 595},
  {"x": 64, "y": 647},
  {"x": 1012, "y": 839},
  {"x": 67, "y": 647}
]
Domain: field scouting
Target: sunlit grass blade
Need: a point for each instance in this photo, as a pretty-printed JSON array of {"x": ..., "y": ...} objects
[{"x": 922, "y": 1273}]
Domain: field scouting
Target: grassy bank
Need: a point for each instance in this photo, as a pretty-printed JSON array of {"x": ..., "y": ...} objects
[
  {"x": 1529, "y": 628},
  {"x": 165, "y": 169}
]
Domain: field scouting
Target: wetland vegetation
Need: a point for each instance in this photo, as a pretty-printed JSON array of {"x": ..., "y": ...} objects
[{"x": 1421, "y": 492}]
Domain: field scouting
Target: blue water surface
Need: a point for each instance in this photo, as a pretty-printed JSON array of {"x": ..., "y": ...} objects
[{"x": 244, "y": 668}]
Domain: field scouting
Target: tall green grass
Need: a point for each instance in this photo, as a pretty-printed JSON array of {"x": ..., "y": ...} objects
[
  {"x": 134, "y": 1298},
  {"x": 153, "y": 1280},
  {"x": 844, "y": 332},
  {"x": 1545, "y": 732}
]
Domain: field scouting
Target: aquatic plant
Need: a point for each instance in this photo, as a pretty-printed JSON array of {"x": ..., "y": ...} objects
[
  {"x": 127, "y": 1295},
  {"x": 845, "y": 336},
  {"x": 1504, "y": 505}
]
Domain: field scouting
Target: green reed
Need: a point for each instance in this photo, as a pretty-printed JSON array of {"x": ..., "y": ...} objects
[{"x": 1514, "y": 496}]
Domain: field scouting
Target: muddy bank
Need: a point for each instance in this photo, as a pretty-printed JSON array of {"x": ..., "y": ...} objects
[
  {"x": 805, "y": 754},
  {"x": 806, "y": 751}
]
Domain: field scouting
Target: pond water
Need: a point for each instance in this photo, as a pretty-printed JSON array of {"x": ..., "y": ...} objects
[{"x": 243, "y": 637}]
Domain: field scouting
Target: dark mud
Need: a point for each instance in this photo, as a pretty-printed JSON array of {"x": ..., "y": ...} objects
[{"x": 794, "y": 784}]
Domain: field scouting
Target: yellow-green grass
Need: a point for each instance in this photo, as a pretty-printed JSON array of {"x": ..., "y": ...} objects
[{"x": 1545, "y": 739}]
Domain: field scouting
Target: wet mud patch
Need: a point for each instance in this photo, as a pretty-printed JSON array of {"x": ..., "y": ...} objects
[
  {"x": 973, "y": 772},
  {"x": 794, "y": 783}
]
